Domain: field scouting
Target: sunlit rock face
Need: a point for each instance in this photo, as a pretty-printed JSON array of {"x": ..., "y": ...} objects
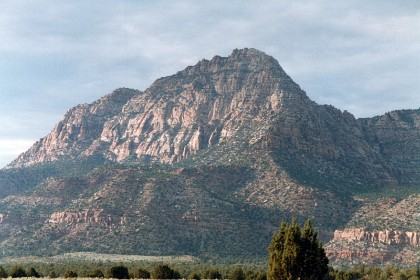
[
  {"x": 246, "y": 97},
  {"x": 235, "y": 146}
]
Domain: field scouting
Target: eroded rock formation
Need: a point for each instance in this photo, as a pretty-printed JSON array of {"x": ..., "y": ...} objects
[
  {"x": 390, "y": 237},
  {"x": 253, "y": 148}
]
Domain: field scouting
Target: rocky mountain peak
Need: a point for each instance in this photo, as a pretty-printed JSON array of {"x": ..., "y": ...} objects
[
  {"x": 243, "y": 99},
  {"x": 252, "y": 149},
  {"x": 176, "y": 116}
]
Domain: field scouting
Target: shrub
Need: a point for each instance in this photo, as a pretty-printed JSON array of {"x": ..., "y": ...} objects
[
  {"x": 143, "y": 274},
  {"x": 70, "y": 274},
  {"x": 33, "y": 273},
  {"x": 212, "y": 274},
  {"x": 237, "y": 274},
  {"x": 165, "y": 272},
  {"x": 194, "y": 276},
  {"x": 119, "y": 272},
  {"x": 97, "y": 273},
  {"x": 17, "y": 272},
  {"x": 3, "y": 273}
]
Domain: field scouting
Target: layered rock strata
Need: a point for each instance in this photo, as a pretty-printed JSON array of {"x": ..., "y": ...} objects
[{"x": 389, "y": 237}]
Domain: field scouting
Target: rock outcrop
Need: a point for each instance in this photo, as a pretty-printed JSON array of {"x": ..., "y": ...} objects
[
  {"x": 177, "y": 116},
  {"x": 389, "y": 237},
  {"x": 215, "y": 154},
  {"x": 245, "y": 98},
  {"x": 81, "y": 127},
  {"x": 88, "y": 216},
  {"x": 355, "y": 246}
]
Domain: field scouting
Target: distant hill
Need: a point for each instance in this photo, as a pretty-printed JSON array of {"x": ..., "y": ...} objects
[{"x": 207, "y": 162}]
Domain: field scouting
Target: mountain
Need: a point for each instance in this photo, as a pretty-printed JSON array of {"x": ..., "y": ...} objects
[{"x": 207, "y": 162}]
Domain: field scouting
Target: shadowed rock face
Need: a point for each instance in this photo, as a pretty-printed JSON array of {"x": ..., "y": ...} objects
[
  {"x": 245, "y": 96},
  {"x": 253, "y": 148},
  {"x": 177, "y": 116}
]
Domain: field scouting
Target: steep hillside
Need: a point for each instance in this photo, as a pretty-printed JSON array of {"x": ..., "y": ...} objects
[{"x": 212, "y": 157}]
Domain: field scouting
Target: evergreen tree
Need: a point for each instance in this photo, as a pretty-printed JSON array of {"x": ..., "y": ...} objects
[
  {"x": 3, "y": 273},
  {"x": 143, "y": 274},
  {"x": 261, "y": 276},
  {"x": 212, "y": 274},
  {"x": 194, "y": 276},
  {"x": 296, "y": 253},
  {"x": 70, "y": 274},
  {"x": 276, "y": 252},
  {"x": 119, "y": 272},
  {"x": 33, "y": 273},
  {"x": 17, "y": 272},
  {"x": 96, "y": 273},
  {"x": 237, "y": 274},
  {"x": 165, "y": 272}
]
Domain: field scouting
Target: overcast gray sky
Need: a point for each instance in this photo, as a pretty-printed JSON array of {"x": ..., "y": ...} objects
[{"x": 359, "y": 56}]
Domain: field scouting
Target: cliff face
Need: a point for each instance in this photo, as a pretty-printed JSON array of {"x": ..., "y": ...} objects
[
  {"x": 223, "y": 148},
  {"x": 396, "y": 136},
  {"x": 384, "y": 231},
  {"x": 389, "y": 237},
  {"x": 354, "y": 246},
  {"x": 77, "y": 132},
  {"x": 89, "y": 216},
  {"x": 177, "y": 116},
  {"x": 248, "y": 98}
]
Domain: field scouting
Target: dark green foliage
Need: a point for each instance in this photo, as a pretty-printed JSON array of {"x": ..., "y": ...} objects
[
  {"x": 347, "y": 275},
  {"x": 251, "y": 271},
  {"x": 17, "y": 272},
  {"x": 237, "y": 274},
  {"x": 212, "y": 274},
  {"x": 119, "y": 272},
  {"x": 165, "y": 272},
  {"x": 261, "y": 276},
  {"x": 70, "y": 274},
  {"x": 194, "y": 276},
  {"x": 96, "y": 273},
  {"x": 33, "y": 273},
  {"x": 373, "y": 273},
  {"x": 3, "y": 273},
  {"x": 296, "y": 254},
  {"x": 142, "y": 274}
]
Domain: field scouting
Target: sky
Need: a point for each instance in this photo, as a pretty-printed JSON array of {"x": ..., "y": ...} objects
[{"x": 359, "y": 56}]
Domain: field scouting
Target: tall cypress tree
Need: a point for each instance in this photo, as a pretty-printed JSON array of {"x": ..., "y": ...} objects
[
  {"x": 275, "y": 253},
  {"x": 296, "y": 253}
]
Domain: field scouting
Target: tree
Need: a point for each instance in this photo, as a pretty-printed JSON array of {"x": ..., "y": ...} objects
[
  {"x": 119, "y": 272},
  {"x": 33, "y": 273},
  {"x": 296, "y": 253},
  {"x": 70, "y": 274},
  {"x": 3, "y": 273},
  {"x": 165, "y": 272},
  {"x": 194, "y": 276},
  {"x": 237, "y": 274},
  {"x": 212, "y": 274},
  {"x": 96, "y": 273},
  {"x": 143, "y": 274},
  {"x": 261, "y": 276},
  {"x": 17, "y": 272}
]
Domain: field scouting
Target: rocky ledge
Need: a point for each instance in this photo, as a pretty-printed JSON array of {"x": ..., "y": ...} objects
[
  {"x": 354, "y": 246},
  {"x": 389, "y": 237},
  {"x": 88, "y": 216}
]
